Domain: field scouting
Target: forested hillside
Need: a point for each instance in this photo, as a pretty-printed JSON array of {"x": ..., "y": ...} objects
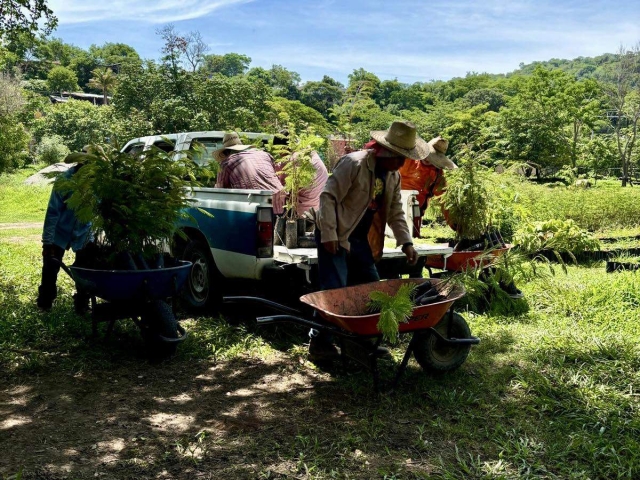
[{"x": 574, "y": 113}]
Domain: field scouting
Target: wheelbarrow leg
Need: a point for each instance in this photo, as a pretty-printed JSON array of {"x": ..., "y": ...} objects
[
  {"x": 405, "y": 361},
  {"x": 94, "y": 320},
  {"x": 107, "y": 334},
  {"x": 375, "y": 372}
]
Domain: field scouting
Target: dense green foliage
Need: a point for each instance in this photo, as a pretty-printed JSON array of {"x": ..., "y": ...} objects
[
  {"x": 550, "y": 114},
  {"x": 394, "y": 309},
  {"x": 133, "y": 202}
]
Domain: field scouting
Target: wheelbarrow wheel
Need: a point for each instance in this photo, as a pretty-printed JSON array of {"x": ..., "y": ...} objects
[
  {"x": 434, "y": 355},
  {"x": 201, "y": 291},
  {"x": 159, "y": 323}
]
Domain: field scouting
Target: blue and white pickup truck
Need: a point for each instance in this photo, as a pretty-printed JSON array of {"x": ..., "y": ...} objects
[{"x": 237, "y": 240}]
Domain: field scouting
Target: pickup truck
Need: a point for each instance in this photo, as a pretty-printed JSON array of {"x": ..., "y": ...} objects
[{"x": 237, "y": 241}]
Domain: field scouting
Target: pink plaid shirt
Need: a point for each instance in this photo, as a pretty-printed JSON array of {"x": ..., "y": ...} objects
[{"x": 254, "y": 170}]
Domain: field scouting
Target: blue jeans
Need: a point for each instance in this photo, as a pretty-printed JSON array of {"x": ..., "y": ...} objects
[{"x": 344, "y": 268}]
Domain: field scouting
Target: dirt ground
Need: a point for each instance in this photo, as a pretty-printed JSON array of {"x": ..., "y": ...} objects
[{"x": 174, "y": 420}]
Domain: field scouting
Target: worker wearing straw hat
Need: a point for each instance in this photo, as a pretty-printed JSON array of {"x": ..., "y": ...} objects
[
  {"x": 426, "y": 176},
  {"x": 360, "y": 197}
]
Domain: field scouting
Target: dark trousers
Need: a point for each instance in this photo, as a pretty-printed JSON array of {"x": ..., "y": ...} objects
[
  {"x": 343, "y": 269},
  {"x": 47, "y": 292},
  {"x": 51, "y": 257}
]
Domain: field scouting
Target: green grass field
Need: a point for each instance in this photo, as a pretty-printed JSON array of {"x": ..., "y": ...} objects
[{"x": 552, "y": 391}]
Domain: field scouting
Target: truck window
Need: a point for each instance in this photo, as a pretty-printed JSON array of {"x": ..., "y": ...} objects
[
  {"x": 162, "y": 145},
  {"x": 134, "y": 148},
  {"x": 209, "y": 144}
]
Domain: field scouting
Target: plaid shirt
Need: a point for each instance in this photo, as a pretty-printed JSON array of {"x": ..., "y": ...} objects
[{"x": 253, "y": 170}]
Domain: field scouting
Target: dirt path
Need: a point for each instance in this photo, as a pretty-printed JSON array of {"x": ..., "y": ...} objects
[
  {"x": 12, "y": 226},
  {"x": 175, "y": 420}
]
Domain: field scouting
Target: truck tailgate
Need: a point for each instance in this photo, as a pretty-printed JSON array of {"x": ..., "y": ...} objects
[{"x": 309, "y": 256}]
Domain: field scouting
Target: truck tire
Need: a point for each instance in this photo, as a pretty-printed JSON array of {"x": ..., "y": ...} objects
[
  {"x": 159, "y": 321},
  {"x": 202, "y": 288},
  {"x": 434, "y": 355}
]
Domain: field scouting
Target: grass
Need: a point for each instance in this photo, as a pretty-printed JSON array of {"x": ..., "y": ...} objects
[
  {"x": 552, "y": 392},
  {"x": 19, "y": 202}
]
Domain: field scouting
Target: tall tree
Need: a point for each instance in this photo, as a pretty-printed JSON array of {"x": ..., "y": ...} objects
[
  {"x": 174, "y": 48},
  {"x": 229, "y": 64},
  {"x": 25, "y": 17},
  {"x": 622, "y": 88},
  {"x": 61, "y": 79},
  {"x": 196, "y": 48},
  {"x": 322, "y": 95},
  {"x": 105, "y": 80}
]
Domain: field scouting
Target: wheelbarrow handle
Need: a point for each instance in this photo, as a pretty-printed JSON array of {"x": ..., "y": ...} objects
[
  {"x": 64, "y": 267},
  {"x": 271, "y": 319},
  {"x": 454, "y": 341},
  {"x": 262, "y": 301},
  {"x": 84, "y": 284}
]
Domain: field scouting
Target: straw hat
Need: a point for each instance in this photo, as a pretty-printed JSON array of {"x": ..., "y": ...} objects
[
  {"x": 402, "y": 138},
  {"x": 230, "y": 141},
  {"x": 437, "y": 147}
]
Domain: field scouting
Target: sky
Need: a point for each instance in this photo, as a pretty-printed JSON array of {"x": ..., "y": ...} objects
[{"x": 411, "y": 40}]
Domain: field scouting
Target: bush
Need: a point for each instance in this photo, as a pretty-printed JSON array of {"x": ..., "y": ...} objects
[
  {"x": 15, "y": 144},
  {"x": 77, "y": 122},
  {"x": 51, "y": 149},
  {"x": 558, "y": 235}
]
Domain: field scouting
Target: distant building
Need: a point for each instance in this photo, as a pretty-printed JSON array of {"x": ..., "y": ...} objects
[{"x": 88, "y": 97}]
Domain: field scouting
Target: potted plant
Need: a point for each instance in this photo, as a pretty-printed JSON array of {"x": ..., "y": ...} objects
[
  {"x": 298, "y": 172},
  {"x": 133, "y": 203},
  {"x": 468, "y": 201}
]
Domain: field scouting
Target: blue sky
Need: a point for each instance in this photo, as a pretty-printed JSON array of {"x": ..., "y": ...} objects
[{"x": 410, "y": 40}]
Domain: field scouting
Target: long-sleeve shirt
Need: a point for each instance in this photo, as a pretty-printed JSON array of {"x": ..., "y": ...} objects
[
  {"x": 254, "y": 170},
  {"x": 347, "y": 195},
  {"x": 61, "y": 227},
  {"x": 425, "y": 178}
]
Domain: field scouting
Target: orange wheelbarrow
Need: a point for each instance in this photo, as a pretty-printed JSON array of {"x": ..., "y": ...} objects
[
  {"x": 460, "y": 261},
  {"x": 440, "y": 341}
]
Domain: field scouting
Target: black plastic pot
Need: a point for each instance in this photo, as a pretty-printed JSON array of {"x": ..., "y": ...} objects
[{"x": 619, "y": 266}]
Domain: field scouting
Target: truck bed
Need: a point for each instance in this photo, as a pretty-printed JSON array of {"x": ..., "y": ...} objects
[{"x": 309, "y": 256}]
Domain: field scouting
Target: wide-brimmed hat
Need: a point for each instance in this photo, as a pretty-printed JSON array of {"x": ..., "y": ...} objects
[
  {"x": 230, "y": 141},
  {"x": 437, "y": 147},
  {"x": 402, "y": 139}
]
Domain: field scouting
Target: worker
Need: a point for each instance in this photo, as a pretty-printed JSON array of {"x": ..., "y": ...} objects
[
  {"x": 61, "y": 231},
  {"x": 426, "y": 176},
  {"x": 360, "y": 197},
  {"x": 246, "y": 167}
]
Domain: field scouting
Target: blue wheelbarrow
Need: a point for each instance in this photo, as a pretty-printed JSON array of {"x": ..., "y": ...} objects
[{"x": 140, "y": 295}]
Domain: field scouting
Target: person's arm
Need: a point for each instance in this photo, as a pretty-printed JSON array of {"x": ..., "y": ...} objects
[
  {"x": 337, "y": 187},
  {"x": 54, "y": 209}
]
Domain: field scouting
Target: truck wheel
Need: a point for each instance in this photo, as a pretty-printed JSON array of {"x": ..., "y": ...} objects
[
  {"x": 432, "y": 354},
  {"x": 201, "y": 291},
  {"x": 159, "y": 321}
]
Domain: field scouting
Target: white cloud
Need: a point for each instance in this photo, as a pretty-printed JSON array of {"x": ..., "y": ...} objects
[{"x": 147, "y": 11}]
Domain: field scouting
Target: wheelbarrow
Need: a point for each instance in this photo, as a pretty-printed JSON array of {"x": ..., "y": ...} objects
[
  {"x": 440, "y": 338},
  {"x": 460, "y": 261},
  {"x": 139, "y": 295}
]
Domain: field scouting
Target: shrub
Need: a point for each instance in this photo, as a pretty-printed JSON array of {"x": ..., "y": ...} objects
[
  {"x": 51, "y": 149},
  {"x": 558, "y": 235},
  {"x": 15, "y": 144}
]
